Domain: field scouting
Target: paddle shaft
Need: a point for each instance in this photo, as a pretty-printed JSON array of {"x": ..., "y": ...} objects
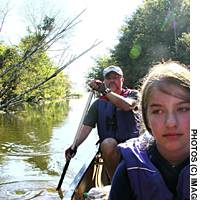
[
  {"x": 75, "y": 140},
  {"x": 63, "y": 174},
  {"x": 82, "y": 118}
]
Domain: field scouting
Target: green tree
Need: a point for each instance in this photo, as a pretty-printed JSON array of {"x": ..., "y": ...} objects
[
  {"x": 96, "y": 71},
  {"x": 157, "y": 31},
  {"x": 8, "y": 81},
  {"x": 152, "y": 35},
  {"x": 40, "y": 66},
  {"x": 27, "y": 73}
]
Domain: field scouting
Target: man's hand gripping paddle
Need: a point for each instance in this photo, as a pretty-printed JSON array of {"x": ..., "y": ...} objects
[{"x": 73, "y": 147}]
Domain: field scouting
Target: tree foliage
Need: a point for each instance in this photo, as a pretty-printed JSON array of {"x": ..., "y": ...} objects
[
  {"x": 24, "y": 76},
  {"x": 96, "y": 71},
  {"x": 157, "y": 31},
  {"x": 26, "y": 71}
]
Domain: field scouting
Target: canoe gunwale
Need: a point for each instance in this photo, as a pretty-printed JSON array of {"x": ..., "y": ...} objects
[{"x": 78, "y": 178}]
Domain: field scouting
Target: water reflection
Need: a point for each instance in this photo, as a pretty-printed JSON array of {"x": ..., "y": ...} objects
[
  {"x": 24, "y": 147},
  {"x": 30, "y": 131},
  {"x": 32, "y": 144}
]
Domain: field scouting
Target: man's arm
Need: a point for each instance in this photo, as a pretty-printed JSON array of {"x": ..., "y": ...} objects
[
  {"x": 125, "y": 104},
  {"x": 84, "y": 132},
  {"x": 88, "y": 124}
]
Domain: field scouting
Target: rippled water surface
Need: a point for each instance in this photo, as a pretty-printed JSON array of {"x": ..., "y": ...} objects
[{"x": 32, "y": 144}]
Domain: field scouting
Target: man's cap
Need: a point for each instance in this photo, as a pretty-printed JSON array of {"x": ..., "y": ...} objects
[{"x": 112, "y": 68}]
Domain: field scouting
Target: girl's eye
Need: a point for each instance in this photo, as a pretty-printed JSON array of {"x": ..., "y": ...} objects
[
  {"x": 184, "y": 109},
  {"x": 157, "y": 111}
]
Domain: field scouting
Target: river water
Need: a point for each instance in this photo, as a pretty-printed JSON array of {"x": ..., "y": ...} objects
[{"x": 32, "y": 144}]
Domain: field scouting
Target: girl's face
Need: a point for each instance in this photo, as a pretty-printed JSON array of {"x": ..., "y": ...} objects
[{"x": 169, "y": 120}]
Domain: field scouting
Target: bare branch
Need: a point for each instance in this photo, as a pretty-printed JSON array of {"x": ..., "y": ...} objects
[
  {"x": 44, "y": 44},
  {"x": 44, "y": 36},
  {"x": 3, "y": 14},
  {"x": 17, "y": 99}
]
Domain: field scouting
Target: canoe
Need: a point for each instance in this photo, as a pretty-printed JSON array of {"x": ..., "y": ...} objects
[{"x": 92, "y": 174}]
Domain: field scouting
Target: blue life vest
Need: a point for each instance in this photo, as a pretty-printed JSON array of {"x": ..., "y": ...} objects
[
  {"x": 145, "y": 179},
  {"x": 116, "y": 123}
]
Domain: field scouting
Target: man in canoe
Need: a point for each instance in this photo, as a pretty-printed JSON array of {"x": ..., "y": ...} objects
[{"x": 114, "y": 113}]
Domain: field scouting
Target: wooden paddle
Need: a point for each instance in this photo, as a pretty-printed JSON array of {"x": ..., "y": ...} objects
[{"x": 75, "y": 140}]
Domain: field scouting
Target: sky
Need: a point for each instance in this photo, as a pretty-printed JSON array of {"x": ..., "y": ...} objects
[{"x": 101, "y": 21}]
